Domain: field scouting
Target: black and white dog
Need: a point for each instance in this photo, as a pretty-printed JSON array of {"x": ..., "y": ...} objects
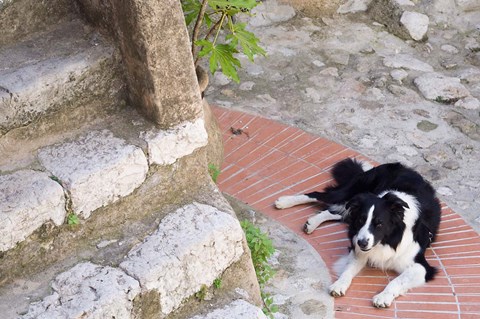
[{"x": 392, "y": 215}]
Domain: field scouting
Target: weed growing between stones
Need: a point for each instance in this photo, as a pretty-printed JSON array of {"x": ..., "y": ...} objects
[
  {"x": 214, "y": 172},
  {"x": 261, "y": 248},
  {"x": 217, "y": 283},
  {"x": 202, "y": 293},
  {"x": 72, "y": 219},
  {"x": 212, "y": 16}
]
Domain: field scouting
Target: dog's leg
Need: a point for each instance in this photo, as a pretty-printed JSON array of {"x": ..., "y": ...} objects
[
  {"x": 290, "y": 201},
  {"x": 353, "y": 267},
  {"x": 317, "y": 219},
  {"x": 412, "y": 277}
]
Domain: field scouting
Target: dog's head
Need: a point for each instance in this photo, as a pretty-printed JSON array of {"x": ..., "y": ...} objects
[{"x": 374, "y": 220}]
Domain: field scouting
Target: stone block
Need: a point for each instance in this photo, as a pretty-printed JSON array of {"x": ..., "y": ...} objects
[
  {"x": 88, "y": 291},
  {"x": 57, "y": 69},
  {"x": 166, "y": 146},
  {"x": 435, "y": 86},
  {"x": 96, "y": 169},
  {"x": 157, "y": 56},
  {"x": 238, "y": 309},
  {"x": 191, "y": 247},
  {"x": 28, "y": 199}
]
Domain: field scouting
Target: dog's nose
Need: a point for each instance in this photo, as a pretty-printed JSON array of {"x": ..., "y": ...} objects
[{"x": 362, "y": 243}]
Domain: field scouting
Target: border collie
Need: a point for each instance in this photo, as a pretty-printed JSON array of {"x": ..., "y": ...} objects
[{"x": 392, "y": 215}]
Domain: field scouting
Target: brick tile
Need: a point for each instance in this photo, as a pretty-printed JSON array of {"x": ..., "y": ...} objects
[
  {"x": 282, "y": 137},
  {"x": 432, "y": 306},
  {"x": 309, "y": 148},
  {"x": 415, "y": 314},
  {"x": 344, "y": 310},
  {"x": 470, "y": 307}
]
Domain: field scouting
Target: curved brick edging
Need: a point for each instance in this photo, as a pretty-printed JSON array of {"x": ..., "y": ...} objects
[{"x": 266, "y": 159}]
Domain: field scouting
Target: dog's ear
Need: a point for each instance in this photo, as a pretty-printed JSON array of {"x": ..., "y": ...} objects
[
  {"x": 396, "y": 204},
  {"x": 352, "y": 207}
]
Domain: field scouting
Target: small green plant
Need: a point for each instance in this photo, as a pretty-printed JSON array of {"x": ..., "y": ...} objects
[
  {"x": 217, "y": 283},
  {"x": 202, "y": 293},
  {"x": 214, "y": 172},
  {"x": 261, "y": 248},
  {"x": 212, "y": 16},
  {"x": 72, "y": 219}
]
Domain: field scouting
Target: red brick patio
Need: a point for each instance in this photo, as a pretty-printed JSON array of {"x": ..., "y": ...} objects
[{"x": 268, "y": 159}]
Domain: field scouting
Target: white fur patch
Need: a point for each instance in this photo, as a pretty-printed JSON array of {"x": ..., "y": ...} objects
[
  {"x": 290, "y": 201},
  {"x": 413, "y": 276},
  {"x": 317, "y": 219},
  {"x": 364, "y": 232}
]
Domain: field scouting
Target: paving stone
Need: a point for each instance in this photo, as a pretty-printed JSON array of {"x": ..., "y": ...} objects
[
  {"x": 416, "y": 24},
  {"x": 28, "y": 199},
  {"x": 88, "y": 291},
  {"x": 469, "y": 102},
  {"x": 165, "y": 147},
  {"x": 270, "y": 12},
  {"x": 352, "y": 6},
  {"x": 97, "y": 169},
  {"x": 238, "y": 309},
  {"x": 406, "y": 61},
  {"x": 398, "y": 75},
  {"x": 438, "y": 87},
  {"x": 449, "y": 48},
  {"x": 190, "y": 248}
]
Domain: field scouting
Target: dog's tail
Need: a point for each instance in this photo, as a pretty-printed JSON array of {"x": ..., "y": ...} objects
[{"x": 345, "y": 170}]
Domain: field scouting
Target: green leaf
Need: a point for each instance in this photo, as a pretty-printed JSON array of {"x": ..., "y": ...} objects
[
  {"x": 236, "y": 4},
  {"x": 221, "y": 55},
  {"x": 191, "y": 9},
  {"x": 246, "y": 39}
]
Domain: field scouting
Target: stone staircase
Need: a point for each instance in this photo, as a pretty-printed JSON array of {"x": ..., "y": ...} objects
[{"x": 102, "y": 213}]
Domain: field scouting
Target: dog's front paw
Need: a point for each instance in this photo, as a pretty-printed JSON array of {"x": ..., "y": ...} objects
[
  {"x": 284, "y": 202},
  {"x": 338, "y": 288},
  {"x": 383, "y": 300},
  {"x": 308, "y": 228}
]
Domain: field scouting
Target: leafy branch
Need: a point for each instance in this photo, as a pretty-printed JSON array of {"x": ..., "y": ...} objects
[{"x": 213, "y": 16}]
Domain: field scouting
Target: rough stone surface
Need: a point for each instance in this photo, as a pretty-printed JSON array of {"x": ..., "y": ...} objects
[
  {"x": 160, "y": 70},
  {"x": 97, "y": 169},
  {"x": 165, "y": 147},
  {"x": 19, "y": 19},
  {"x": 88, "y": 291},
  {"x": 28, "y": 199},
  {"x": 416, "y": 24},
  {"x": 239, "y": 309},
  {"x": 406, "y": 61},
  {"x": 191, "y": 248},
  {"x": 59, "y": 68},
  {"x": 435, "y": 86},
  {"x": 389, "y": 13},
  {"x": 352, "y": 6},
  {"x": 270, "y": 12}
]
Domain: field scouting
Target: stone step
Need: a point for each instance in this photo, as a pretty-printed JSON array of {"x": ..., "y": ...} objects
[
  {"x": 91, "y": 170},
  {"x": 191, "y": 247},
  {"x": 238, "y": 309},
  {"x": 65, "y": 67}
]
